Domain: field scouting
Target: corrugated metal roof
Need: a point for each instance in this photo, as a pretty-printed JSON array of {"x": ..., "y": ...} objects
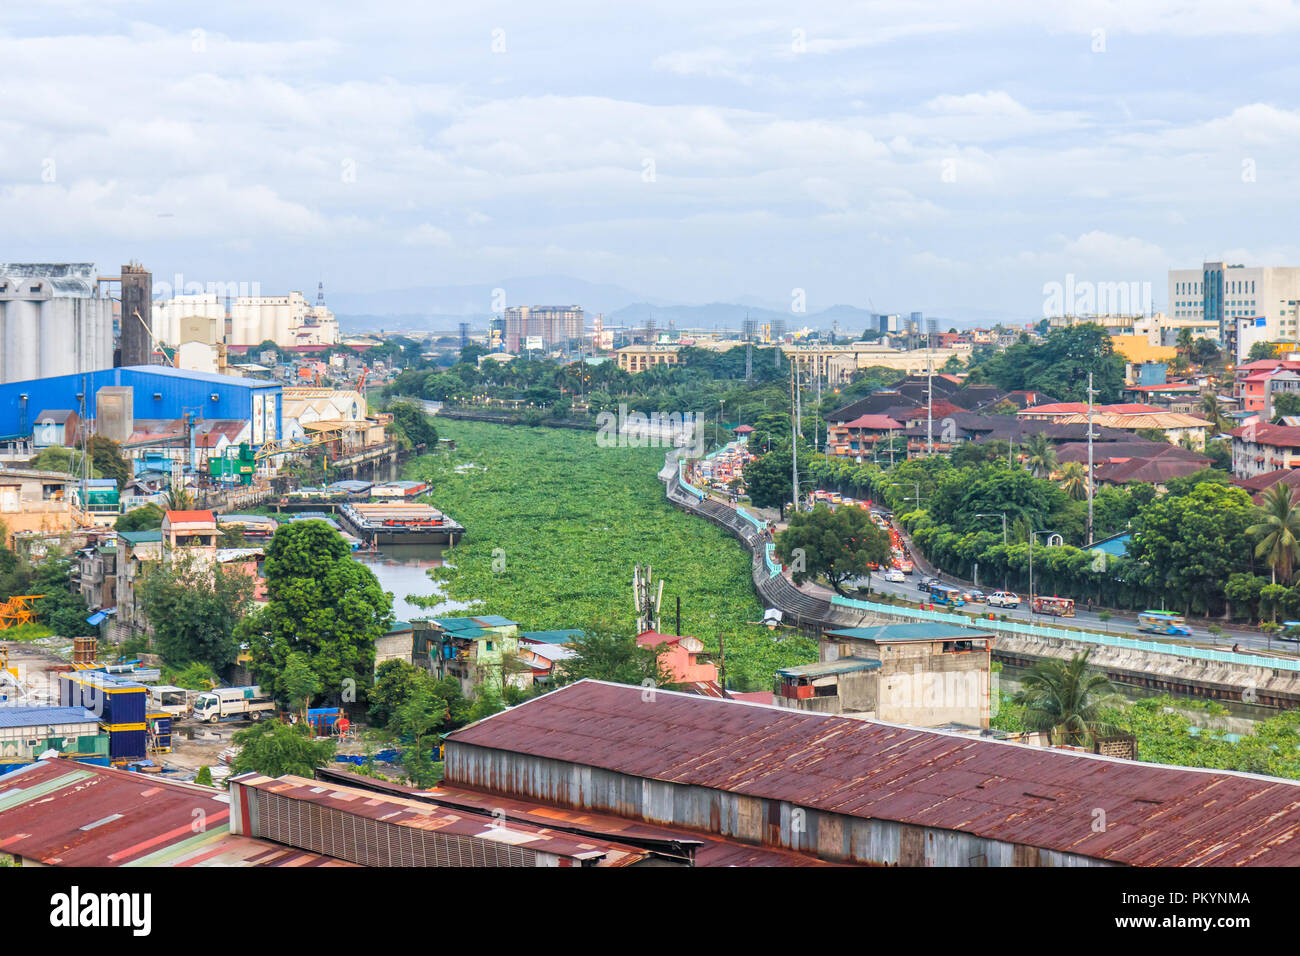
[
  {"x": 845, "y": 665},
  {"x": 921, "y": 631},
  {"x": 44, "y": 716},
  {"x": 551, "y": 637},
  {"x": 395, "y": 810},
  {"x": 1155, "y": 815},
  {"x": 47, "y": 810}
]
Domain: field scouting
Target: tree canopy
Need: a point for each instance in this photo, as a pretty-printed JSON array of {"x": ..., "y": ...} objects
[{"x": 836, "y": 545}]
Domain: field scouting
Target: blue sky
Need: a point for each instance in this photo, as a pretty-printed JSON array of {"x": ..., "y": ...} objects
[{"x": 951, "y": 157}]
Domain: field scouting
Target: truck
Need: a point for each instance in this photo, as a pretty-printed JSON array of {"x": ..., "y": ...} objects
[
  {"x": 166, "y": 699},
  {"x": 248, "y": 702}
]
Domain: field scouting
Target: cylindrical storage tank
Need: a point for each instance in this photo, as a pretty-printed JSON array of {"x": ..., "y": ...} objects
[
  {"x": 59, "y": 344},
  {"x": 22, "y": 336}
]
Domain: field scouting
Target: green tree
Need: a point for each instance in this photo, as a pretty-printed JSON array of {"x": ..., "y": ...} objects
[
  {"x": 62, "y": 610},
  {"x": 1285, "y": 403},
  {"x": 1042, "y": 455},
  {"x": 321, "y": 603},
  {"x": 1063, "y": 699},
  {"x": 1278, "y": 531},
  {"x": 145, "y": 518},
  {"x": 414, "y": 424},
  {"x": 194, "y": 609},
  {"x": 608, "y": 656},
  {"x": 836, "y": 545},
  {"x": 415, "y": 721},
  {"x": 396, "y": 681},
  {"x": 1074, "y": 480},
  {"x": 106, "y": 457},
  {"x": 204, "y": 777},
  {"x": 301, "y": 683},
  {"x": 274, "y": 749}
]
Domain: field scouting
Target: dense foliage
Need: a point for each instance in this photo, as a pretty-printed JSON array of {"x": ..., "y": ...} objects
[
  {"x": 194, "y": 609},
  {"x": 1058, "y": 364},
  {"x": 320, "y": 603},
  {"x": 834, "y": 545},
  {"x": 274, "y": 749},
  {"x": 563, "y": 521}
]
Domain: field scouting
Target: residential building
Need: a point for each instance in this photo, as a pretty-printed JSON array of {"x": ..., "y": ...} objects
[
  {"x": 1176, "y": 426},
  {"x": 638, "y": 358},
  {"x": 1259, "y": 447},
  {"x": 860, "y": 437},
  {"x": 476, "y": 650},
  {"x": 546, "y": 326},
  {"x": 136, "y": 551},
  {"x": 1249, "y": 304},
  {"x": 189, "y": 534},
  {"x": 679, "y": 655},
  {"x": 930, "y": 675}
]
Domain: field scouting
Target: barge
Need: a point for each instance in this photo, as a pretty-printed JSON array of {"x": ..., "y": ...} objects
[{"x": 399, "y": 522}]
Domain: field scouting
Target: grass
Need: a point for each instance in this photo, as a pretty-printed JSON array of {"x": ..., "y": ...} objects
[
  {"x": 25, "y": 632},
  {"x": 563, "y": 521}
]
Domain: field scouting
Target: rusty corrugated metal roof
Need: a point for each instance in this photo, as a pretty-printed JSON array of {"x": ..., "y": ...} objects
[
  {"x": 1154, "y": 815},
  {"x": 64, "y": 813},
  {"x": 396, "y": 810}
]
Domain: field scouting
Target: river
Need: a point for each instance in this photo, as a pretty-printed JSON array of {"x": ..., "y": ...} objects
[{"x": 403, "y": 569}]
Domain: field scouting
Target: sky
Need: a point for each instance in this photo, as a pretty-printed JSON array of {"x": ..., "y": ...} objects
[{"x": 950, "y": 157}]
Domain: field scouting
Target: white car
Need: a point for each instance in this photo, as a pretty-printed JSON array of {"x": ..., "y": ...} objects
[
  {"x": 1004, "y": 599},
  {"x": 894, "y": 575}
]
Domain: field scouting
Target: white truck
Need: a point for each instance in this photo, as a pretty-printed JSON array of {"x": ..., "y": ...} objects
[
  {"x": 164, "y": 698},
  {"x": 247, "y": 702}
]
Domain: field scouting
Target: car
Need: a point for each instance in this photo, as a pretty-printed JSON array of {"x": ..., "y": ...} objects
[
  {"x": 894, "y": 575},
  {"x": 1004, "y": 599},
  {"x": 1290, "y": 631},
  {"x": 925, "y": 582},
  {"x": 973, "y": 596}
]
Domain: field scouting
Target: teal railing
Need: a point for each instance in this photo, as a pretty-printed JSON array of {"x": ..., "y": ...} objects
[
  {"x": 1088, "y": 637},
  {"x": 769, "y": 558},
  {"x": 750, "y": 518},
  {"x": 681, "y": 478}
]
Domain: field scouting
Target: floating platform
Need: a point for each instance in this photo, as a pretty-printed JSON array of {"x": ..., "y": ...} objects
[{"x": 378, "y": 523}]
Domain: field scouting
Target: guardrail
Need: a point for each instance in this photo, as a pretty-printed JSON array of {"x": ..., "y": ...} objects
[{"x": 1087, "y": 637}]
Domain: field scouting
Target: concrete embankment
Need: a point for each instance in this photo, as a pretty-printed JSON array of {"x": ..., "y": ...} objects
[{"x": 1249, "y": 679}]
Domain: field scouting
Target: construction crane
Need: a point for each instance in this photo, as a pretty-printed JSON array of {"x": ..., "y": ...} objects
[
  {"x": 289, "y": 446},
  {"x": 19, "y": 609}
]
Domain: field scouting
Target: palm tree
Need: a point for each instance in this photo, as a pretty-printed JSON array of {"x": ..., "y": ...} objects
[
  {"x": 1074, "y": 480},
  {"x": 1278, "y": 531},
  {"x": 179, "y": 499},
  {"x": 1042, "y": 455},
  {"x": 1064, "y": 698},
  {"x": 1210, "y": 406}
]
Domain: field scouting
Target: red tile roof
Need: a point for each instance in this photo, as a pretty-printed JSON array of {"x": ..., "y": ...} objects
[
  {"x": 1156, "y": 815},
  {"x": 190, "y": 517},
  {"x": 874, "y": 422},
  {"x": 1279, "y": 436}
]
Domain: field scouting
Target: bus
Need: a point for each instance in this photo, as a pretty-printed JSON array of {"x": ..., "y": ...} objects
[
  {"x": 1163, "y": 622},
  {"x": 1055, "y": 606},
  {"x": 943, "y": 594}
]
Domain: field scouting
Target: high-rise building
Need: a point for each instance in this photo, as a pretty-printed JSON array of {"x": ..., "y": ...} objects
[
  {"x": 1248, "y": 303},
  {"x": 136, "y": 340},
  {"x": 553, "y": 325}
]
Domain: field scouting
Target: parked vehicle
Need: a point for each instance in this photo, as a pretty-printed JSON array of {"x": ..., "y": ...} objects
[
  {"x": 1004, "y": 599},
  {"x": 247, "y": 702},
  {"x": 1054, "y": 606},
  {"x": 1163, "y": 622},
  {"x": 166, "y": 699}
]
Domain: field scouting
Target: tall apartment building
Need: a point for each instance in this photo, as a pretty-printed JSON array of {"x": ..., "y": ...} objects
[
  {"x": 554, "y": 325},
  {"x": 1248, "y": 303}
]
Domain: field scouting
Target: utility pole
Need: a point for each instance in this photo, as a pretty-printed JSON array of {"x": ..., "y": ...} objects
[
  {"x": 929, "y": 406},
  {"x": 794, "y": 437},
  {"x": 1091, "y": 392}
]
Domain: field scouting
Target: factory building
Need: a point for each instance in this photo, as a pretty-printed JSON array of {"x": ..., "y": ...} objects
[
  {"x": 53, "y": 321},
  {"x": 117, "y": 397},
  {"x": 136, "y": 339},
  {"x": 846, "y": 790},
  {"x": 286, "y": 320}
]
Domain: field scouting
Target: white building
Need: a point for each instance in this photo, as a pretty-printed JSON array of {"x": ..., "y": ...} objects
[
  {"x": 1249, "y": 304},
  {"x": 168, "y": 313},
  {"x": 286, "y": 320}
]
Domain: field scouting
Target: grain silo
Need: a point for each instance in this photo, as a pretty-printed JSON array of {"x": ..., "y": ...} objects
[{"x": 53, "y": 321}]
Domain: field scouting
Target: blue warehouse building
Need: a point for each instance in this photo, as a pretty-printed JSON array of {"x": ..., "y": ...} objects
[{"x": 155, "y": 392}]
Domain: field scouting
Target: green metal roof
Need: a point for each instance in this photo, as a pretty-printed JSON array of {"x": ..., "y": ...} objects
[
  {"x": 140, "y": 537},
  {"x": 888, "y": 633},
  {"x": 495, "y": 620},
  {"x": 845, "y": 665}
]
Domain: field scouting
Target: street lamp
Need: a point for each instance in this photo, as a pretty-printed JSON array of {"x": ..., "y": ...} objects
[{"x": 1032, "y": 535}]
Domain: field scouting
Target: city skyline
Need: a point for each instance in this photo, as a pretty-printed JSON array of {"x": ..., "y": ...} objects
[{"x": 952, "y": 160}]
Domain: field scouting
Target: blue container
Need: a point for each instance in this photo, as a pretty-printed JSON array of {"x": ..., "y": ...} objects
[{"x": 126, "y": 745}]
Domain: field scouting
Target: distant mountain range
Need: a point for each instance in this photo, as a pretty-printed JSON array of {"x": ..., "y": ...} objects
[{"x": 442, "y": 308}]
